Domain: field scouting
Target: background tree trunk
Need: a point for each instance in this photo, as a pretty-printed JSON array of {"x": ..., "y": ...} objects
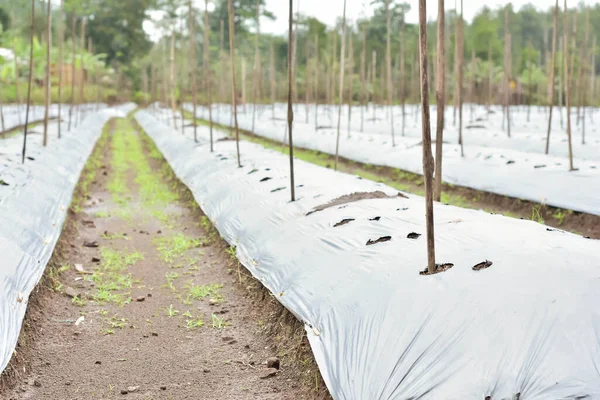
[
  {"x": 192, "y": 60},
  {"x": 388, "y": 66},
  {"x": 207, "y": 74},
  {"x": 73, "y": 70},
  {"x": 61, "y": 38},
  {"x": 363, "y": 60},
  {"x": 460, "y": 69}
]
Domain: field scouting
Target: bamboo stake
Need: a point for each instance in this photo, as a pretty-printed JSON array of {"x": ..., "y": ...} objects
[
  {"x": 192, "y": 60},
  {"x": 295, "y": 54},
  {"x": 272, "y": 78},
  {"x": 456, "y": 25},
  {"x": 61, "y": 38},
  {"x": 316, "y": 82},
  {"x": 221, "y": 95},
  {"x": 388, "y": 66},
  {"x": 427, "y": 155},
  {"x": 580, "y": 78},
  {"x": 341, "y": 93},
  {"x": 17, "y": 91},
  {"x": 506, "y": 71},
  {"x": 373, "y": 79},
  {"x": 567, "y": 84},
  {"x": 402, "y": 75},
  {"x": 48, "y": 83},
  {"x": 363, "y": 57},
  {"x": 255, "y": 83},
  {"x": 440, "y": 93},
  {"x": 81, "y": 84},
  {"x": 290, "y": 111},
  {"x": 233, "y": 91},
  {"x": 30, "y": 83},
  {"x": 172, "y": 78},
  {"x": 460, "y": 69},
  {"x": 490, "y": 78},
  {"x": 350, "y": 77},
  {"x": 551, "y": 81},
  {"x": 207, "y": 74},
  {"x": 307, "y": 80},
  {"x": 73, "y": 71},
  {"x": 244, "y": 83},
  {"x": 560, "y": 82}
]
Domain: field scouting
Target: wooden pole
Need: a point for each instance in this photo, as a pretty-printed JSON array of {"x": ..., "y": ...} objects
[
  {"x": 388, "y": 67},
  {"x": 172, "y": 79},
  {"x": 316, "y": 95},
  {"x": 256, "y": 66},
  {"x": 81, "y": 84},
  {"x": 192, "y": 60},
  {"x": 30, "y": 83},
  {"x": 440, "y": 94},
  {"x": 61, "y": 38},
  {"x": 581, "y": 77},
  {"x": 341, "y": 88},
  {"x": 17, "y": 91},
  {"x": 48, "y": 83},
  {"x": 363, "y": 93},
  {"x": 507, "y": 72},
  {"x": 73, "y": 71},
  {"x": 350, "y": 78},
  {"x": 373, "y": 80},
  {"x": 567, "y": 84},
  {"x": 207, "y": 73},
  {"x": 426, "y": 131},
  {"x": 307, "y": 83},
  {"x": 460, "y": 68},
  {"x": 402, "y": 75},
  {"x": 551, "y": 81},
  {"x": 233, "y": 91},
  {"x": 290, "y": 111},
  {"x": 272, "y": 78}
]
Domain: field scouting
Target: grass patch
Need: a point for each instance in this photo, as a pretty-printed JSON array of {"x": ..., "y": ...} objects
[
  {"x": 202, "y": 291},
  {"x": 173, "y": 247},
  {"x": 111, "y": 280}
]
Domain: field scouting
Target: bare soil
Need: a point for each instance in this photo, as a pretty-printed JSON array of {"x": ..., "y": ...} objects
[{"x": 186, "y": 321}]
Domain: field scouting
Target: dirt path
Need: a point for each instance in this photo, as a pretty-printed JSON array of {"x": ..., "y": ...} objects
[{"x": 159, "y": 311}]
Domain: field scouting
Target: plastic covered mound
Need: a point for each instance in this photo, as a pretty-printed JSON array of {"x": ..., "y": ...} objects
[
  {"x": 513, "y": 318},
  {"x": 14, "y": 114},
  {"x": 34, "y": 199},
  {"x": 516, "y": 167}
]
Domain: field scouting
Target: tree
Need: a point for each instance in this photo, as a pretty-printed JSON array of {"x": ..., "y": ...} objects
[
  {"x": 441, "y": 77},
  {"x": 426, "y": 131}
]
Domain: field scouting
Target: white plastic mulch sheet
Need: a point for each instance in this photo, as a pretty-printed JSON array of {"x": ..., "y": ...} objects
[
  {"x": 14, "y": 114},
  {"x": 34, "y": 199},
  {"x": 515, "y": 166},
  {"x": 524, "y": 328}
]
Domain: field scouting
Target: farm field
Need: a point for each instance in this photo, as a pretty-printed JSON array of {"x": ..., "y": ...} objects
[{"x": 284, "y": 200}]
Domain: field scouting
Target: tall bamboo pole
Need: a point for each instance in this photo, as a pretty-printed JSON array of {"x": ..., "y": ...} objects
[
  {"x": 48, "y": 83},
  {"x": 490, "y": 77},
  {"x": 373, "y": 80},
  {"x": 272, "y": 78},
  {"x": 507, "y": 71},
  {"x": 81, "y": 84},
  {"x": 256, "y": 72},
  {"x": 233, "y": 91},
  {"x": 207, "y": 73},
  {"x": 456, "y": 62},
  {"x": 567, "y": 84},
  {"x": 581, "y": 77},
  {"x": 244, "y": 83},
  {"x": 341, "y": 88},
  {"x": 316, "y": 95},
  {"x": 440, "y": 94},
  {"x": 61, "y": 38},
  {"x": 460, "y": 69},
  {"x": 290, "y": 111},
  {"x": 560, "y": 82},
  {"x": 363, "y": 94},
  {"x": 307, "y": 82},
  {"x": 30, "y": 83},
  {"x": 402, "y": 75},
  {"x": 73, "y": 71},
  {"x": 426, "y": 130},
  {"x": 295, "y": 54},
  {"x": 192, "y": 60},
  {"x": 551, "y": 81},
  {"x": 17, "y": 91},
  {"x": 350, "y": 78},
  {"x": 388, "y": 67},
  {"x": 172, "y": 78}
]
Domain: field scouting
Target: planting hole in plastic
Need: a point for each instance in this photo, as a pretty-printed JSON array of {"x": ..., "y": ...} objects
[
  {"x": 375, "y": 219},
  {"x": 343, "y": 222},
  {"x": 438, "y": 268},
  {"x": 253, "y": 171},
  {"x": 277, "y": 189},
  {"x": 380, "y": 240},
  {"x": 413, "y": 235},
  {"x": 266, "y": 178},
  {"x": 482, "y": 265}
]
